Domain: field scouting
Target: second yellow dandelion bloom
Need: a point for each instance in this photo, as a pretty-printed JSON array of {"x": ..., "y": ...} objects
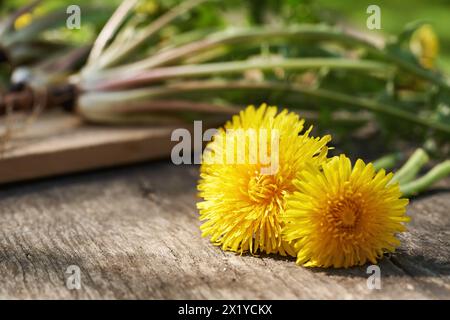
[
  {"x": 243, "y": 200},
  {"x": 342, "y": 216}
]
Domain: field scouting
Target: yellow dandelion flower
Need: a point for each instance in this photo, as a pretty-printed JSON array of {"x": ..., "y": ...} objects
[
  {"x": 23, "y": 20},
  {"x": 342, "y": 217},
  {"x": 425, "y": 45},
  {"x": 242, "y": 201}
]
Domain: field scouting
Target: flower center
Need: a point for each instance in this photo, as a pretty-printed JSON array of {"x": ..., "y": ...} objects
[
  {"x": 262, "y": 188},
  {"x": 345, "y": 212},
  {"x": 348, "y": 217}
]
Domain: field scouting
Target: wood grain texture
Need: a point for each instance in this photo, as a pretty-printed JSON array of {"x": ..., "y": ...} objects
[
  {"x": 60, "y": 142},
  {"x": 134, "y": 233}
]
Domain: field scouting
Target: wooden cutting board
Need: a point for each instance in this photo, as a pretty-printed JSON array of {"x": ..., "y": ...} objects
[{"x": 57, "y": 143}]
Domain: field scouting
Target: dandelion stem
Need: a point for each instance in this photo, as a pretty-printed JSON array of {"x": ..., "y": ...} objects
[
  {"x": 298, "y": 33},
  {"x": 110, "y": 29},
  {"x": 412, "y": 167},
  {"x": 186, "y": 71},
  {"x": 150, "y": 30},
  {"x": 388, "y": 161},
  {"x": 439, "y": 172},
  {"x": 285, "y": 89}
]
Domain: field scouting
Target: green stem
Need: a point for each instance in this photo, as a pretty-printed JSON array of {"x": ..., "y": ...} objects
[
  {"x": 302, "y": 32},
  {"x": 440, "y": 171},
  {"x": 110, "y": 29},
  {"x": 186, "y": 71},
  {"x": 284, "y": 89},
  {"x": 388, "y": 161},
  {"x": 412, "y": 167},
  {"x": 111, "y": 59}
]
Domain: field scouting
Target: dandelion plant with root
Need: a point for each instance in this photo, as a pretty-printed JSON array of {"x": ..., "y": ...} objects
[
  {"x": 179, "y": 63},
  {"x": 211, "y": 72}
]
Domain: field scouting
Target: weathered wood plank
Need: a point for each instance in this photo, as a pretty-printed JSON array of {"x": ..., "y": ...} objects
[
  {"x": 134, "y": 234},
  {"x": 62, "y": 143}
]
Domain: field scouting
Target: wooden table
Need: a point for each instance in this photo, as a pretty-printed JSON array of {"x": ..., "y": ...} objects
[{"x": 134, "y": 233}]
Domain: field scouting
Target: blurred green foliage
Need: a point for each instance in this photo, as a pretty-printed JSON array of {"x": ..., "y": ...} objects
[{"x": 395, "y": 14}]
